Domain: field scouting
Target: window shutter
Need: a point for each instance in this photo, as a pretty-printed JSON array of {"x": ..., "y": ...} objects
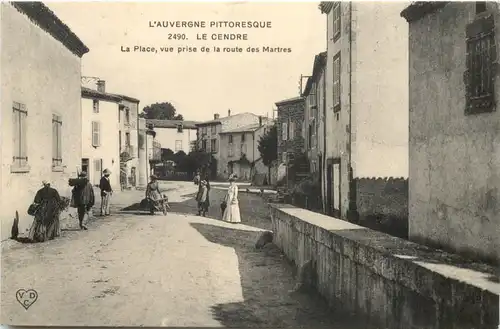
[
  {"x": 284, "y": 132},
  {"x": 24, "y": 134},
  {"x": 96, "y": 134}
]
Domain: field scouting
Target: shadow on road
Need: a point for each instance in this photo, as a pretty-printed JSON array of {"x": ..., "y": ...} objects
[{"x": 267, "y": 282}]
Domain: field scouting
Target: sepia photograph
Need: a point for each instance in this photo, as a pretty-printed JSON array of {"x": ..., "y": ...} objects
[{"x": 250, "y": 164}]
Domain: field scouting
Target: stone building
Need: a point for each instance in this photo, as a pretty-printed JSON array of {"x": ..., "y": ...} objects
[
  {"x": 128, "y": 135},
  {"x": 40, "y": 135},
  {"x": 291, "y": 143},
  {"x": 455, "y": 126},
  {"x": 208, "y": 138},
  {"x": 176, "y": 135},
  {"x": 240, "y": 147},
  {"x": 366, "y": 116},
  {"x": 314, "y": 118}
]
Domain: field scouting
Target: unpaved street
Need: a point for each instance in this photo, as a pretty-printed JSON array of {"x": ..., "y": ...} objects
[{"x": 132, "y": 269}]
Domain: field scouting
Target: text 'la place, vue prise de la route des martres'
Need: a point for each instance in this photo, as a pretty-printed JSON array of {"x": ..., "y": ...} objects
[{"x": 225, "y": 36}]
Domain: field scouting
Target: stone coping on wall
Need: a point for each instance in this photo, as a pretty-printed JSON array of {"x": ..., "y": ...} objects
[{"x": 429, "y": 272}]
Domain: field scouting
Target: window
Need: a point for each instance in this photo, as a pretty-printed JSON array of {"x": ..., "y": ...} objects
[
  {"x": 96, "y": 134},
  {"x": 180, "y": 128},
  {"x": 310, "y": 135},
  {"x": 178, "y": 145},
  {"x": 312, "y": 97},
  {"x": 120, "y": 139},
  {"x": 120, "y": 109},
  {"x": 95, "y": 106},
  {"x": 127, "y": 139},
  {"x": 284, "y": 131},
  {"x": 214, "y": 130},
  {"x": 336, "y": 82},
  {"x": 481, "y": 59},
  {"x": 204, "y": 145},
  {"x": 291, "y": 130},
  {"x": 243, "y": 137},
  {"x": 243, "y": 149},
  {"x": 56, "y": 141},
  {"x": 20, "y": 147},
  {"x": 336, "y": 20},
  {"x": 127, "y": 116},
  {"x": 230, "y": 139},
  {"x": 213, "y": 145},
  {"x": 480, "y": 7},
  {"x": 98, "y": 166},
  {"x": 284, "y": 157},
  {"x": 230, "y": 150}
]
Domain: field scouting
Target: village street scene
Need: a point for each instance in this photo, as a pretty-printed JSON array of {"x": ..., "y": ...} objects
[{"x": 350, "y": 179}]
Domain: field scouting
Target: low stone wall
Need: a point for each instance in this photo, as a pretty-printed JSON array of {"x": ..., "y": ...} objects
[
  {"x": 382, "y": 204},
  {"x": 391, "y": 282}
]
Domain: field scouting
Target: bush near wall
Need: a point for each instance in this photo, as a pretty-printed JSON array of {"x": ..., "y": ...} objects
[{"x": 382, "y": 204}]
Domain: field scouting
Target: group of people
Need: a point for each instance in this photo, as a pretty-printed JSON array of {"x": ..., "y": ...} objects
[
  {"x": 230, "y": 208},
  {"x": 48, "y": 204}
]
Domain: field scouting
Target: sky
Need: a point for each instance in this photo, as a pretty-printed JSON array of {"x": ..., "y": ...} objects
[{"x": 198, "y": 84}]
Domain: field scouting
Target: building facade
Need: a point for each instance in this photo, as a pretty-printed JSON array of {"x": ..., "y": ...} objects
[
  {"x": 239, "y": 153},
  {"x": 100, "y": 135},
  {"x": 455, "y": 126},
  {"x": 290, "y": 121},
  {"x": 40, "y": 135},
  {"x": 175, "y": 135},
  {"x": 208, "y": 138},
  {"x": 128, "y": 120},
  {"x": 366, "y": 116}
]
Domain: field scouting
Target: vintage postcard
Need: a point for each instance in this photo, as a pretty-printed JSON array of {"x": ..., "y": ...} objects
[{"x": 250, "y": 164}]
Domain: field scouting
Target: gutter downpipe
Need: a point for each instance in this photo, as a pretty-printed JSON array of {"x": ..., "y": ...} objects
[
  {"x": 323, "y": 173},
  {"x": 350, "y": 171}
]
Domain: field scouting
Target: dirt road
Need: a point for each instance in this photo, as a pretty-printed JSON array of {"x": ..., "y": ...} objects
[{"x": 132, "y": 269}]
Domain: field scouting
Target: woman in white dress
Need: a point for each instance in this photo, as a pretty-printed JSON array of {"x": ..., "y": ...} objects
[{"x": 232, "y": 212}]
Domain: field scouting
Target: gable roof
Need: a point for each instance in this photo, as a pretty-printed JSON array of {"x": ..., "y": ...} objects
[
  {"x": 94, "y": 94},
  {"x": 248, "y": 128},
  {"x": 45, "y": 18},
  {"x": 290, "y": 101},
  {"x": 223, "y": 119},
  {"x": 171, "y": 123},
  {"x": 319, "y": 64}
]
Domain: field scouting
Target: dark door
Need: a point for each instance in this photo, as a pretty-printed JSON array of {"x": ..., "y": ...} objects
[
  {"x": 85, "y": 165},
  {"x": 329, "y": 184}
]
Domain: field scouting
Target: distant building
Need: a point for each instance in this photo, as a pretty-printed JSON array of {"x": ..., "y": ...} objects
[
  {"x": 128, "y": 120},
  {"x": 208, "y": 136},
  {"x": 149, "y": 152},
  {"x": 290, "y": 124},
  {"x": 100, "y": 137},
  {"x": 366, "y": 115},
  {"x": 455, "y": 126},
  {"x": 176, "y": 135},
  {"x": 40, "y": 135},
  {"x": 239, "y": 150}
]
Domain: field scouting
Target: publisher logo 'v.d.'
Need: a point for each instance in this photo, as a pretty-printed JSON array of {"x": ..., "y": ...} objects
[{"x": 26, "y": 297}]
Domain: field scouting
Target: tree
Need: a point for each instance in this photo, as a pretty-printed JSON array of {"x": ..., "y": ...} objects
[
  {"x": 161, "y": 111},
  {"x": 166, "y": 154},
  {"x": 268, "y": 147}
]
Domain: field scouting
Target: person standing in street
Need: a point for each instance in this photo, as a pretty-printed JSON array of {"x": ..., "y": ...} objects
[
  {"x": 202, "y": 198},
  {"x": 83, "y": 197},
  {"x": 153, "y": 195},
  {"x": 232, "y": 212},
  {"x": 106, "y": 192},
  {"x": 48, "y": 206}
]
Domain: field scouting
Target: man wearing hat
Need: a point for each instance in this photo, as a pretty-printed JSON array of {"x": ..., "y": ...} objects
[
  {"x": 106, "y": 192},
  {"x": 83, "y": 196}
]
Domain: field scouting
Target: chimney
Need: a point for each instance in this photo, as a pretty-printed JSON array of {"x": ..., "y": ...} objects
[
  {"x": 101, "y": 86},
  {"x": 216, "y": 116},
  {"x": 260, "y": 120},
  {"x": 229, "y": 112}
]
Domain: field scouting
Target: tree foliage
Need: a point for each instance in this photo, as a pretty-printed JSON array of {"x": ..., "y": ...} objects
[
  {"x": 166, "y": 154},
  {"x": 268, "y": 146},
  {"x": 161, "y": 111}
]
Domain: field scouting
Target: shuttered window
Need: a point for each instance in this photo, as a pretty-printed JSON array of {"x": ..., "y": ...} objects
[
  {"x": 19, "y": 129},
  {"x": 96, "y": 134},
  {"x": 56, "y": 140}
]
